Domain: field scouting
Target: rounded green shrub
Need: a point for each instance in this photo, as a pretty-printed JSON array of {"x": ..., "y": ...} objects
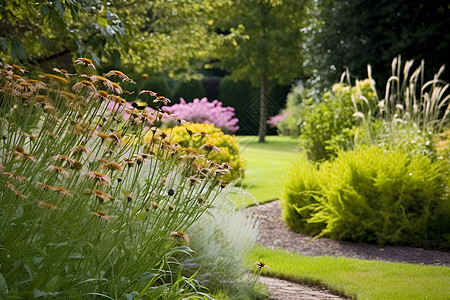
[
  {"x": 188, "y": 90},
  {"x": 369, "y": 195}
]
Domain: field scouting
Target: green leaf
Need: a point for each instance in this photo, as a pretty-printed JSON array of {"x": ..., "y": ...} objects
[
  {"x": 4, "y": 44},
  {"x": 17, "y": 50},
  {"x": 59, "y": 6},
  {"x": 3, "y": 287},
  {"x": 102, "y": 21},
  {"x": 45, "y": 9}
]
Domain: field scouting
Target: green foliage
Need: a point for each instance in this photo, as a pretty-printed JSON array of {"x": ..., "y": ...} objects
[
  {"x": 352, "y": 36},
  {"x": 241, "y": 95},
  {"x": 289, "y": 124},
  {"x": 188, "y": 90},
  {"x": 326, "y": 126},
  {"x": 84, "y": 210},
  {"x": 368, "y": 195},
  {"x": 244, "y": 98},
  {"x": 195, "y": 135}
]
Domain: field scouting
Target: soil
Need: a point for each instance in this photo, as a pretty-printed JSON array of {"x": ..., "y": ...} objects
[{"x": 273, "y": 233}]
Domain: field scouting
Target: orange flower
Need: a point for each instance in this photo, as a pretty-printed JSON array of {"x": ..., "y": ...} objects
[
  {"x": 85, "y": 62},
  {"x": 56, "y": 79},
  {"x": 111, "y": 165},
  {"x": 261, "y": 265},
  {"x": 102, "y": 215},
  {"x": 210, "y": 148},
  {"x": 99, "y": 177},
  {"x": 13, "y": 188},
  {"x": 62, "y": 72},
  {"x": 162, "y": 99},
  {"x": 46, "y": 204},
  {"x": 81, "y": 148},
  {"x": 56, "y": 189},
  {"x": 102, "y": 197},
  {"x": 80, "y": 86},
  {"x": 148, "y": 92},
  {"x": 181, "y": 237},
  {"x": 14, "y": 176},
  {"x": 58, "y": 170},
  {"x": 119, "y": 74}
]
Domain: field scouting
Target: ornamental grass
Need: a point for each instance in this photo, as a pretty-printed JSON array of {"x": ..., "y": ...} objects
[{"x": 86, "y": 209}]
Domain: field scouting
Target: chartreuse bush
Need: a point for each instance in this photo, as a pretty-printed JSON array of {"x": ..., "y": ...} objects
[
  {"x": 85, "y": 210},
  {"x": 198, "y": 135},
  {"x": 369, "y": 195}
]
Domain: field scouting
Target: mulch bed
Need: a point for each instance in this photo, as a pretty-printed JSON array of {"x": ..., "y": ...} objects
[{"x": 273, "y": 233}]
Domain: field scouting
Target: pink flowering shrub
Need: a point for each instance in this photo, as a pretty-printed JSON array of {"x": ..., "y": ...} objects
[{"x": 202, "y": 111}]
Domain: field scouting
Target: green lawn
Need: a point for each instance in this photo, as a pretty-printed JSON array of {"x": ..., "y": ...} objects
[
  {"x": 360, "y": 279},
  {"x": 267, "y": 165}
]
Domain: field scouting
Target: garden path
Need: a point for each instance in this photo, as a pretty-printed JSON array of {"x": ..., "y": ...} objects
[{"x": 273, "y": 233}]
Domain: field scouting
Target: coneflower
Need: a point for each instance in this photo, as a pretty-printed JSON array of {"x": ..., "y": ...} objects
[
  {"x": 47, "y": 205},
  {"x": 99, "y": 177},
  {"x": 13, "y": 188},
  {"x": 181, "y": 237},
  {"x": 102, "y": 215},
  {"x": 57, "y": 170},
  {"x": 101, "y": 196},
  {"x": 82, "y": 149},
  {"x": 85, "y": 62},
  {"x": 261, "y": 265}
]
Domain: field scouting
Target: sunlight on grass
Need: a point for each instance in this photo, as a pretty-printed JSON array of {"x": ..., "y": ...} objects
[
  {"x": 362, "y": 279},
  {"x": 267, "y": 165}
]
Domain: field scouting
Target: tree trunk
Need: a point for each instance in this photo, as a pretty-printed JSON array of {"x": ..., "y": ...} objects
[{"x": 263, "y": 109}]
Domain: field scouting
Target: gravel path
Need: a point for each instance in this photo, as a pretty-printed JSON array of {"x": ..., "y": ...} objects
[{"x": 273, "y": 233}]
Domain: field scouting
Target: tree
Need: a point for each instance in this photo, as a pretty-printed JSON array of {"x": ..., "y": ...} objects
[
  {"x": 262, "y": 42},
  {"x": 113, "y": 33},
  {"x": 360, "y": 32}
]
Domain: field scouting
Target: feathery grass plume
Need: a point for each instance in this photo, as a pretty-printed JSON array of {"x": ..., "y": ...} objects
[{"x": 68, "y": 147}]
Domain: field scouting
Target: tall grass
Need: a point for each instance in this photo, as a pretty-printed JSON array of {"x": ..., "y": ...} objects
[
  {"x": 86, "y": 209},
  {"x": 411, "y": 110}
]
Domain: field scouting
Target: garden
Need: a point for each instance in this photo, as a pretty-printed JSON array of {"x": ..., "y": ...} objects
[{"x": 190, "y": 149}]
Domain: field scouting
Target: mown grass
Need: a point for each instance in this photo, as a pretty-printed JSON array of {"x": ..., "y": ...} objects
[
  {"x": 356, "y": 278},
  {"x": 267, "y": 165}
]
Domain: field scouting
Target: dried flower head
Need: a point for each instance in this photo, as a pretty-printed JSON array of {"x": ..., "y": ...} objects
[
  {"x": 118, "y": 74},
  {"x": 57, "y": 170},
  {"x": 261, "y": 265},
  {"x": 181, "y": 237},
  {"x": 47, "y": 205},
  {"x": 101, "y": 196},
  {"x": 13, "y": 188},
  {"x": 112, "y": 165},
  {"x": 81, "y": 148},
  {"x": 84, "y": 85},
  {"x": 85, "y": 62},
  {"x": 62, "y": 72},
  {"x": 99, "y": 177},
  {"x": 162, "y": 99},
  {"x": 148, "y": 92},
  {"x": 102, "y": 215},
  {"x": 15, "y": 176},
  {"x": 55, "y": 79},
  {"x": 210, "y": 148}
]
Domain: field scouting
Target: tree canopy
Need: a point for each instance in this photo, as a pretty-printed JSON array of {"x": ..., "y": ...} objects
[
  {"x": 355, "y": 33},
  {"x": 262, "y": 43}
]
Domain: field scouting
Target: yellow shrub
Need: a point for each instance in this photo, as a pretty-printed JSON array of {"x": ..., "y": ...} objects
[{"x": 201, "y": 134}]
